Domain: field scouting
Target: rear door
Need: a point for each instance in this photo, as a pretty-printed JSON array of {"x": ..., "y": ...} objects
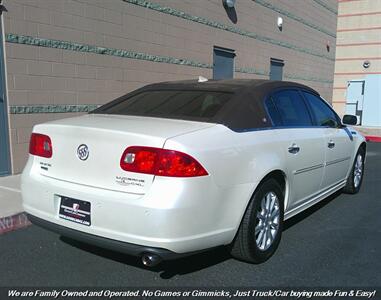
[
  {"x": 302, "y": 144},
  {"x": 338, "y": 144}
]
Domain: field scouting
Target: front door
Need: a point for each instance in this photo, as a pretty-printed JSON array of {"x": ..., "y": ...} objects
[
  {"x": 338, "y": 145},
  {"x": 4, "y": 138},
  {"x": 339, "y": 150}
]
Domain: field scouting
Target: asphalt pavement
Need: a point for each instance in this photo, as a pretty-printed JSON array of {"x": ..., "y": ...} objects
[{"x": 334, "y": 243}]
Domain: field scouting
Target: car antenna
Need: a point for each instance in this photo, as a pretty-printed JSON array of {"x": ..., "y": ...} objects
[{"x": 202, "y": 79}]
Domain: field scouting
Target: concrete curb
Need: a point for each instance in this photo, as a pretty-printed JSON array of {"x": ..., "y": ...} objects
[
  {"x": 14, "y": 222},
  {"x": 369, "y": 131},
  {"x": 373, "y": 138},
  {"x": 12, "y": 216}
]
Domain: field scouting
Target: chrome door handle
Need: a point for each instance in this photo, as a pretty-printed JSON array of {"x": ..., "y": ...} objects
[
  {"x": 294, "y": 148},
  {"x": 331, "y": 144}
]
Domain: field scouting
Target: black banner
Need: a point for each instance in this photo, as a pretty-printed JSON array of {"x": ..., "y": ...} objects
[{"x": 190, "y": 292}]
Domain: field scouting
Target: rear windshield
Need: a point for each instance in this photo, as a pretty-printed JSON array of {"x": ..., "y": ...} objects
[{"x": 169, "y": 104}]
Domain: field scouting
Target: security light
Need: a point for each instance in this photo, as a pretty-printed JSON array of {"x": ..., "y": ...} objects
[
  {"x": 229, "y": 3},
  {"x": 280, "y": 22}
]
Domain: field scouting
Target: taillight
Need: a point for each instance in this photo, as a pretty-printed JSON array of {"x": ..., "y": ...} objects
[
  {"x": 161, "y": 162},
  {"x": 40, "y": 145}
]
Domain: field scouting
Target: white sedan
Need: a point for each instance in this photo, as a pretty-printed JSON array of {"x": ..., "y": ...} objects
[{"x": 176, "y": 168}]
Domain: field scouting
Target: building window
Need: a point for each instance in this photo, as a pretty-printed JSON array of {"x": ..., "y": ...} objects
[
  {"x": 276, "y": 69},
  {"x": 223, "y": 63}
]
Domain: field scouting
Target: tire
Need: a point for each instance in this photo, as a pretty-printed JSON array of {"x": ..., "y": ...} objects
[
  {"x": 245, "y": 246},
  {"x": 354, "y": 182}
]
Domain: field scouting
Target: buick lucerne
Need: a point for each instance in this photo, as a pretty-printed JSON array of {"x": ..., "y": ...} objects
[{"x": 175, "y": 168}]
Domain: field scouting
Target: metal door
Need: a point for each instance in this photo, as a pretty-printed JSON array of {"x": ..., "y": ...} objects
[
  {"x": 371, "y": 114},
  {"x": 223, "y": 63},
  {"x": 355, "y": 99},
  {"x": 4, "y": 137}
]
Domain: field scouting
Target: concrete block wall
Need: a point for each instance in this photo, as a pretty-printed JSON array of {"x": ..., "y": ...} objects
[{"x": 50, "y": 68}]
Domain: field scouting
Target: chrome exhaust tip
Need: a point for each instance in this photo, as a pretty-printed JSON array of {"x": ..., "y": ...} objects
[{"x": 151, "y": 260}]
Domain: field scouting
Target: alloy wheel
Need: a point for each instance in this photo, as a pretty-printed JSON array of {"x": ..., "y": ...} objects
[
  {"x": 267, "y": 221},
  {"x": 357, "y": 172}
]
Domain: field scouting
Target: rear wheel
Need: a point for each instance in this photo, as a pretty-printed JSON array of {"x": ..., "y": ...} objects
[
  {"x": 355, "y": 177},
  {"x": 260, "y": 230}
]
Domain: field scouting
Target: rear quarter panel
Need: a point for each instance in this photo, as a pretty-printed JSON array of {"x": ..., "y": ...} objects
[{"x": 236, "y": 162}]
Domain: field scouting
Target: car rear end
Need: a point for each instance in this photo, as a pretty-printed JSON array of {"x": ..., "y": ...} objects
[{"x": 109, "y": 180}]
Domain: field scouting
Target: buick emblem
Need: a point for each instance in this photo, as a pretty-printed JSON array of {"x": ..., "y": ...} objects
[{"x": 83, "y": 152}]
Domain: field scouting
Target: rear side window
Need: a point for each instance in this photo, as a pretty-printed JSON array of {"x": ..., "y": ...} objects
[
  {"x": 170, "y": 104},
  {"x": 291, "y": 108},
  {"x": 273, "y": 112},
  {"x": 324, "y": 115}
]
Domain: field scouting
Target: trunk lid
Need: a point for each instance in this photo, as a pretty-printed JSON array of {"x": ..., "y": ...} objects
[{"x": 106, "y": 137}]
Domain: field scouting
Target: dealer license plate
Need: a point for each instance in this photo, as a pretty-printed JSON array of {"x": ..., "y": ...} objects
[{"x": 75, "y": 210}]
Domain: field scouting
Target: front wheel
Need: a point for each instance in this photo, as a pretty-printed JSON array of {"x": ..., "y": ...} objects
[
  {"x": 261, "y": 228},
  {"x": 356, "y": 175}
]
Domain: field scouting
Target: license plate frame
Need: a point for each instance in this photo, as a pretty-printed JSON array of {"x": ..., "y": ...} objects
[{"x": 75, "y": 210}]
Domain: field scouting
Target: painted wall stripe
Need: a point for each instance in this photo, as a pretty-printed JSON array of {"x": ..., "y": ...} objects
[
  {"x": 321, "y": 3},
  {"x": 359, "y": 29},
  {"x": 360, "y": 14},
  {"x": 357, "y": 58},
  {"x": 252, "y": 71},
  {"x": 286, "y": 76},
  {"x": 358, "y": 44},
  {"x": 72, "y": 46},
  {"x": 74, "y": 108},
  {"x": 294, "y": 17},
  {"x": 67, "y": 45},
  {"x": 225, "y": 27},
  {"x": 50, "y": 108},
  {"x": 307, "y": 78},
  {"x": 356, "y": 73}
]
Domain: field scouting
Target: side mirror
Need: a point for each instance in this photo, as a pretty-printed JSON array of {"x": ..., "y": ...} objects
[{"x": 349, "y": 120}]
